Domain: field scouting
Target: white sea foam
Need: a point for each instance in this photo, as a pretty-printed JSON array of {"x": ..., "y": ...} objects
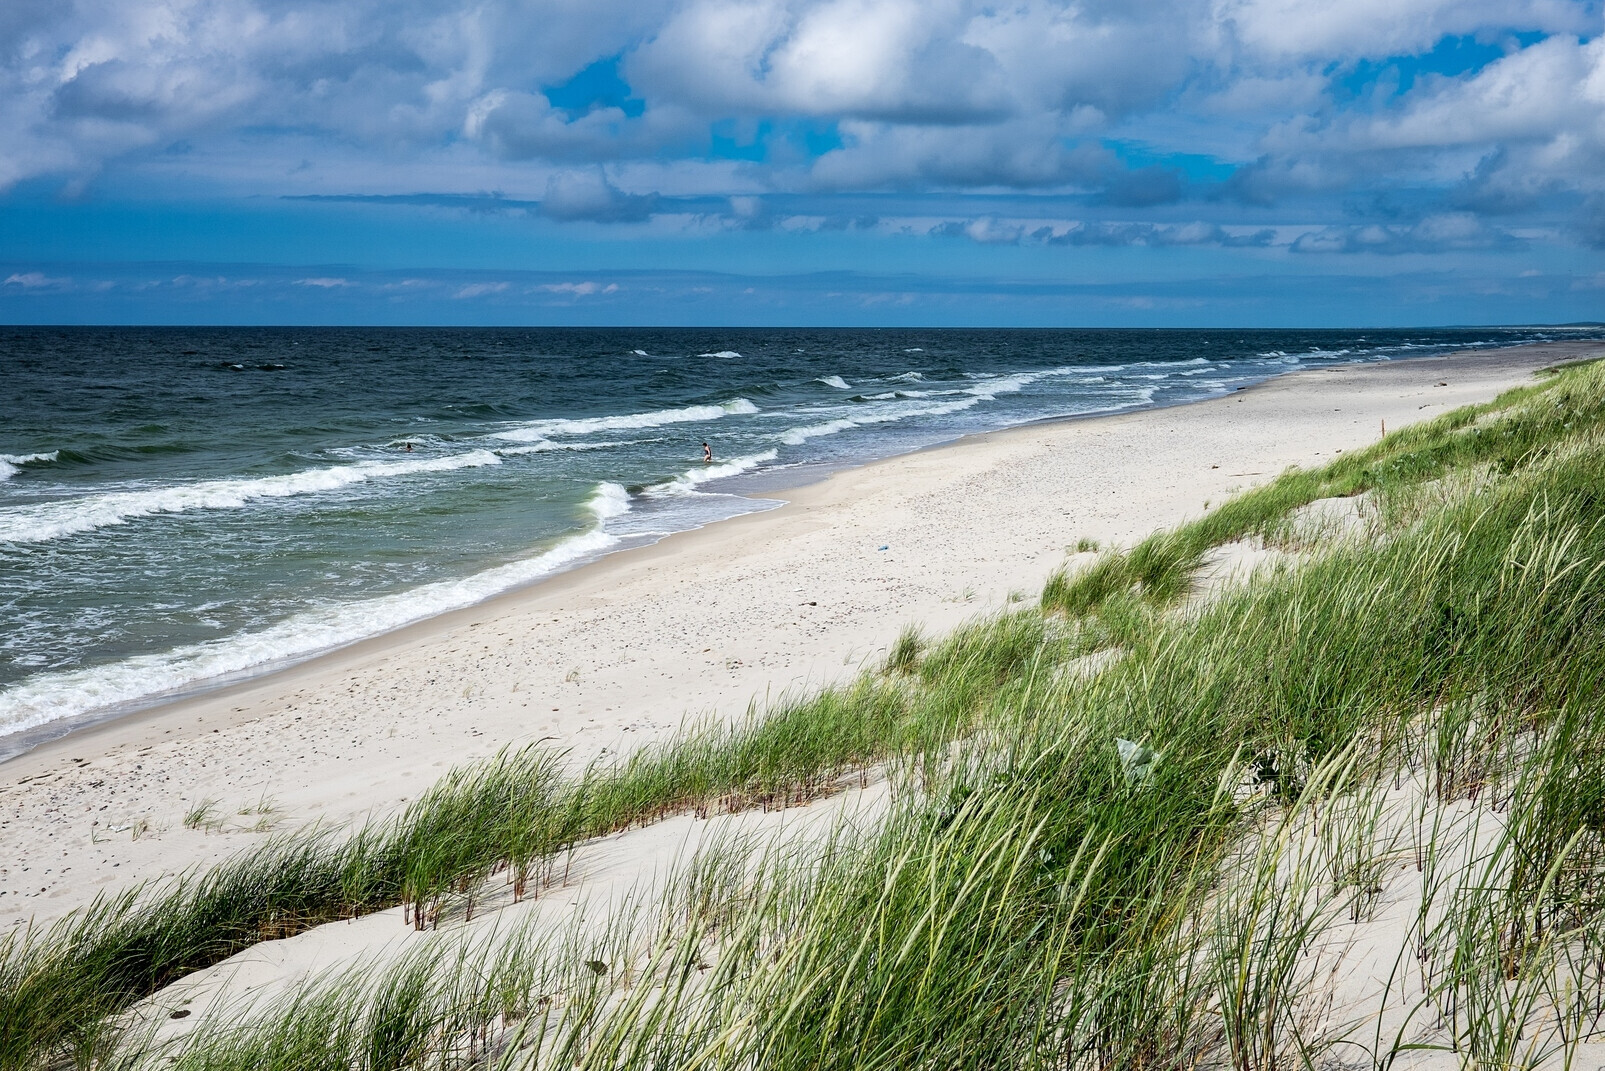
[
  {"x": 547, "y": 447},
  {"x": 610, "y": 500},
  {"x": 728, "y": 355},
  {"x": 53, "y": 520},
  {"x": 540, "y": 430},
  {"x": 835, "y": 381},
  {"x": 906, "y": 377},
  {"x": 50, "y": 697},
  {"x": 986, "y": 388},
  {"x": 894, "y": 395},
  {"x": 990, "y": 387},
  {"x": 799, "y": 435},
  {"x": 690, "y": 479},
  {"x": 11, "y": 464}
]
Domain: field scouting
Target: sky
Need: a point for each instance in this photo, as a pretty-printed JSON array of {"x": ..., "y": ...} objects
[{"x": 803, "y": 162}]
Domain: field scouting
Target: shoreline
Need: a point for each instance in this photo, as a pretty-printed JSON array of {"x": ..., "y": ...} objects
[
  {"x": 767, "y": 497},
  {"x": 778, "y": 495},
  {"x": 589, "y": 642}
]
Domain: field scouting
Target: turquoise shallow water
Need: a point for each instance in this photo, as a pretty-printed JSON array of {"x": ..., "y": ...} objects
[{"x": 179, "y": 506}]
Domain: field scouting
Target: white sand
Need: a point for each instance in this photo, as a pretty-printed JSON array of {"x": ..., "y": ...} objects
[
  {"x": 610, "y": 884},
  {"x": 704, "y": 622}
]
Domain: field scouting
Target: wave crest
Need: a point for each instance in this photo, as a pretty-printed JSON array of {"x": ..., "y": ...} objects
[
  {"x": 692, "y": 414},
  {"x": 608, "y": 501},
  {"x": 11, "y": 464},
  {"x": 54, "y": 520},
  {"x": 690, "y": 479}
]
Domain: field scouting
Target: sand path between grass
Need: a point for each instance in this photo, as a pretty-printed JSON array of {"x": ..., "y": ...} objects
[{"x": 620, "y": 652}]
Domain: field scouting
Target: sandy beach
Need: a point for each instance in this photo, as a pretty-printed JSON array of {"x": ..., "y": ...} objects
[{"x": 703, "y": 623}]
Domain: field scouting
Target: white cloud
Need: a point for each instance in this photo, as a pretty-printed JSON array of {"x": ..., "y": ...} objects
[
  {"x": 36, "y": 280},
  {"x": 474, "y": 290},
  {"x": 1433, "y": 234},
  {"x": 1333, "y": 30},
  {"x": 1528, "y": 126},
  {"x": 1554, "y": 87},
  {"x": 587, "y": 194},
  {"x": 943, "y": 95},
  {"x": 891, "y": 59},
  {"x": 1017, "y": 153},
  {"x": 582, "y": 289}
]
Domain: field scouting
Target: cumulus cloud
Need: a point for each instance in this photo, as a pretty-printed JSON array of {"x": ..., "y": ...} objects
[
  {"x": 1322, "y": 30},
  {"x": 515, "y": 125},
  {"x": 895, "y": 60},
  {"x": 1434, "y": 234},
  {"x": 588, "y": 195},
  {"x": 83, "y": 81},
  {"x": 1524, "y": 133},
  {"x": 1555, "y": 85},
  {"x": 1019, "y": 153},
  {"x": 920, "y": 96},
  {"x": 993, "y": 230},
  {"x": 988, "y": 230}
]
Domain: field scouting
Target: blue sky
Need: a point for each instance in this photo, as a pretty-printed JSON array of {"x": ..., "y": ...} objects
[{"x": 1142, "y": 162}]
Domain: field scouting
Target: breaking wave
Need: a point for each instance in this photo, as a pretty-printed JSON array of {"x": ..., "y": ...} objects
[
  {"x": 54, "y": 520},
  {"x": 657, "y": 418},
  {"x": 11, "y": 464}
]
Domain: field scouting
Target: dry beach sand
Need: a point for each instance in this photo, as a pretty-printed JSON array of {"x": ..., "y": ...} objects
[{"x": 703, "y": 623}]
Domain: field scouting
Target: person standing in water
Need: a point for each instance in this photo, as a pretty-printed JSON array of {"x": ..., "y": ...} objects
[{"x": 707, "y": 454}]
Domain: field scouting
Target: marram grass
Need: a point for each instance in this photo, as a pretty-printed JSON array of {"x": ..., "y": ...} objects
[{"x": 1028, "y": 904}]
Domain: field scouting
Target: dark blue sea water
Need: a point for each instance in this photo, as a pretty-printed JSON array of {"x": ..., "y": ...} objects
[{"x": 179, "y": 506}]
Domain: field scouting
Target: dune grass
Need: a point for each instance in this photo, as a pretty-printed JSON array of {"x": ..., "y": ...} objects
[
  {"x": 1513, "y": 430},
  {"x": 60, "y": 985},
  {"x": 1027, "y": 901}
]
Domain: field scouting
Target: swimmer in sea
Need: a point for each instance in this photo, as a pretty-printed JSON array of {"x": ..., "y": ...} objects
[{"x": 707, "y": 454}]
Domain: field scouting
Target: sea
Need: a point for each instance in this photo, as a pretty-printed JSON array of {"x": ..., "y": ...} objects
[{"x": 184, "y": 507}]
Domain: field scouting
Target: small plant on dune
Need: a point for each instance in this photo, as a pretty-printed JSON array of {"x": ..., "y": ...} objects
[
  {"x": 203, "y": 816},
  {"x": 905, "y": 654}
]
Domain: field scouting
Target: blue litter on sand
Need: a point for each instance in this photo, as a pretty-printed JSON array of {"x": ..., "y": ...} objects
[{"x": 881, "y": 547}]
